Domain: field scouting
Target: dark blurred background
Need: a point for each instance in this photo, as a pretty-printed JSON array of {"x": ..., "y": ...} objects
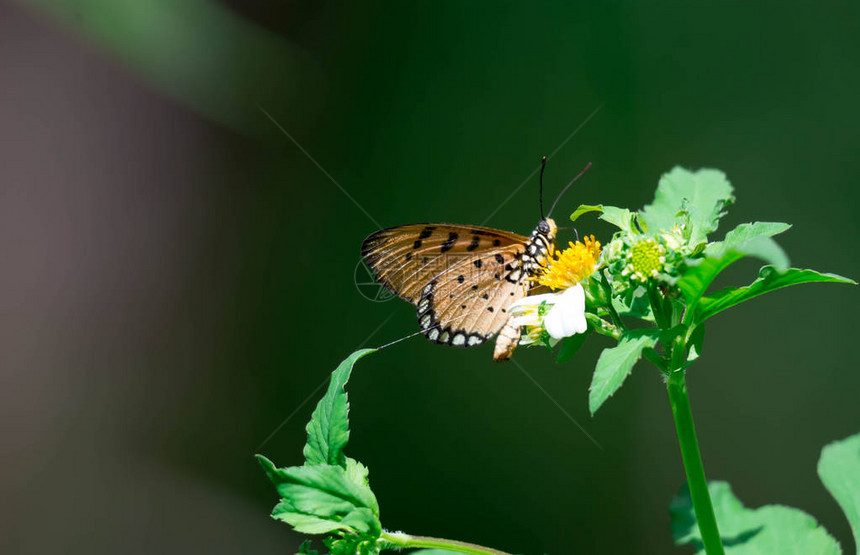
[{"x": 178, "y": 276}]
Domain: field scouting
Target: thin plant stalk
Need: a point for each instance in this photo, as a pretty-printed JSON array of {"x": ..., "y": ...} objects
[
  {"x": 402, "y": 540},
  {"x": 676, "y": 386},
  {"x": 698, "y": 484}
]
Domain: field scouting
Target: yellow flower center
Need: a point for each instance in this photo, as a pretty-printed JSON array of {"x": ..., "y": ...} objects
[
  {"x": 572, "y": 265},
  {"x": 647, "y": 258}
]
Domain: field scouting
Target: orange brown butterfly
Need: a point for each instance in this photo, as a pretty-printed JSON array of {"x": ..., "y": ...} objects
[{"x": 463, "y": 279}]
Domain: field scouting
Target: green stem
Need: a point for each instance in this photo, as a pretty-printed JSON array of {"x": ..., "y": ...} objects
[
  {"x": 680, "y": 401},
  {"x": 404, "y": 540},
  {"x": 603, "y": 327},
  {"x": 658, "y": 308},
  {"x": 614, "y": 315},
  {"x": 607, "y": 291},
  {"x": 657, "y": 360},
  {"x": 677, "y": 310}
]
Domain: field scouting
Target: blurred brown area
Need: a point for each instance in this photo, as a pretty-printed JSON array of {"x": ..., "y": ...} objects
[{"x": 118, "y": 229}]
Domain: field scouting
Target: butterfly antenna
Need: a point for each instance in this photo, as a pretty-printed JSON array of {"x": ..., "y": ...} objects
[
  {"x": 566, "y": 187},
  {"x": 542, "y": 166},
  {"x": 410, "y": 336}
]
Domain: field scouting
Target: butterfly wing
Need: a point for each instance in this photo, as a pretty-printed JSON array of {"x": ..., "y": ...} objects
[
  {"x": 463, "y": 279},
  {"x": 467, "y": 312}
]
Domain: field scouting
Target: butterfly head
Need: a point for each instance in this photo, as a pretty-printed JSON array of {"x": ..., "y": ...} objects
[{"x": 547, "y": 228}]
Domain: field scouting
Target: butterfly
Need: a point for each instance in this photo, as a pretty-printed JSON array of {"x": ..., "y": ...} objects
[{"x": 463, "y": 279}]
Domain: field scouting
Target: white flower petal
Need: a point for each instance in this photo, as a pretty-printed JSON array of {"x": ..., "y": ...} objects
[{"x": 567, "y": 317}]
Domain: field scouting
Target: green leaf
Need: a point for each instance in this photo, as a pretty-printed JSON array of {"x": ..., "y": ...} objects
[
  {"x": 744, "y": 234},
  {"x": 634, "y": 303},
  {"x": 304, "y": 523},
  {"x": 570, "y": 346},
  {"x": 703, "y": 195},
  {"x": 357, "y": 472},
  {"x": 768, "y": 280},
  {"x": 585, "y": 209},
  {"x": 697, "y": 339},
  {"x": 616, "y": 363},
  {"x": 352, "y": 544},
  {"x": 328, "y": 430},
  {"x": 324, "y": 490},
  {"x": 745, "y": 240},
  {"x": 322, "y": 498},
  {"x": 753, "y": 240},
  {"x": 839, "y": 469},
  {"x": 364, "y": 521},
  {"x": 766, "y": 530},
  {"x": 619, "y": 217}
]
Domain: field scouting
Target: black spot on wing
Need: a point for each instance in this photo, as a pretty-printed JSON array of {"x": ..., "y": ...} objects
[{"x": 449, "y": 242}]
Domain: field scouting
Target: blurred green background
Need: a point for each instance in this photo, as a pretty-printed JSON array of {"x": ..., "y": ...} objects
[{"x": 178, "y": 276}]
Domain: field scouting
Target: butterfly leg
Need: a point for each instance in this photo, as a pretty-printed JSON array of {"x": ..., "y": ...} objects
[{"x": 506, "y": 342}]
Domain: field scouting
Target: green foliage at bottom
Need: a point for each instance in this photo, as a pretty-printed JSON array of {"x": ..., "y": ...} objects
[
  {"x": 766, "y": 530},
  {"x": 839, "y": 469},
  {"x": 776, "y": 528},
  {"x": 330, "y": 493}
]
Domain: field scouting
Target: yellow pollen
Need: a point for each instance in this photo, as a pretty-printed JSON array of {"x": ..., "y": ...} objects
[
  {"x": 572, "y": 265},
  {"x": 646, "y": 258}
]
